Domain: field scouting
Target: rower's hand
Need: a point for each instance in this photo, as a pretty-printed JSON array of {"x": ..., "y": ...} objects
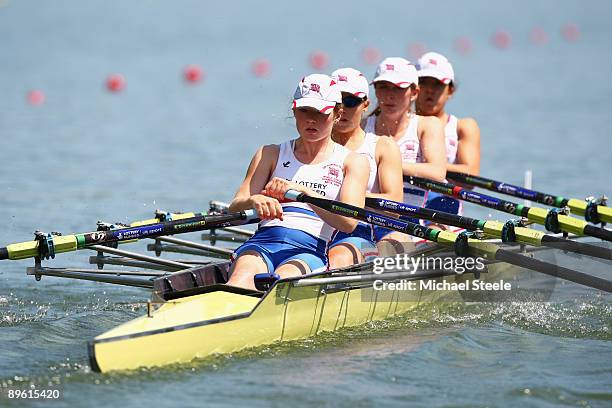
[
  {"x": 277, "y": 187},
  {"x": 268, "y": 208}
]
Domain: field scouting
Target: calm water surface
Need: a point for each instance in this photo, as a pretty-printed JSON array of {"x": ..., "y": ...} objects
[{"x": 87, "y": 155}]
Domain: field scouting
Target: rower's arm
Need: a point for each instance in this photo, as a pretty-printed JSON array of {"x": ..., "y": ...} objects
[
  {"x": 433, "y": 148},
  {"x": 389, "y": 172},
  {"x": 257, "y": 176},
  {"x": 468, "y": 149}
]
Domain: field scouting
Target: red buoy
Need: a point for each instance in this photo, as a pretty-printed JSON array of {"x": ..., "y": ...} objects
[
  {"x": 415, "y": 50},
  {"x": 371, "y": 55},
  {"x": 501, "y": 40},
  {"x": 260, "y": 68},
  {"x": 318, "y": 60},
  {"x": 193, "y": 74},
  {"x": 36, "y": 97},
  {"x": 538, "y": 36},
  {"x": 463, "y": 45},
  {"x": 115, "y": 83},
  {"x": 570, "y": 32}
]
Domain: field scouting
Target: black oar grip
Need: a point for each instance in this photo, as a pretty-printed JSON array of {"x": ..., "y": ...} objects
[{"x": 4, "y": 253}]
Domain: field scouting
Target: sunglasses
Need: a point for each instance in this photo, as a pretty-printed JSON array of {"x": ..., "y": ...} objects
[{"x": 351, "y": 101}]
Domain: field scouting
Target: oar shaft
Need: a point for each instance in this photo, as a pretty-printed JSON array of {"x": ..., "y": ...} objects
[
  {"x": 509, "y": 189},
  {"x": 579, "y": 207},
  {"x": 425, "y": 213},
  {"x": 535, "y": 214},
  {"x": 490, "y": 228},
  {"x": 68, "y": 243},
  {"x": 448, "y": 238},
  {"x": 555, "y": 270}
]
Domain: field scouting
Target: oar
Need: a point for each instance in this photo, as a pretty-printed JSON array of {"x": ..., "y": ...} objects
[
  {"x": 47, "y": 245},
  {"x": 551, "y": 219},
  {"x": 463, "y": 246},
  {"x": 508, "y": 232},
  {"x": 590, "y": 210}
]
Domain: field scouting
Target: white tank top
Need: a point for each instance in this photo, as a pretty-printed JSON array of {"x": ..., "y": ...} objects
[
  {"x": 452, "y": 138},
  {"x": 368, "y": 149},
  {"x": 410, "y": 149},
  {"x": 325, "y": 178}
]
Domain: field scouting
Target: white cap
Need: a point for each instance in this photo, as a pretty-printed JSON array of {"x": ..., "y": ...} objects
[
  {"x": 317, "y": 91},
  {"x": 398, "y": 71},
  {"x": 351, "y": 81},
  {"x": 436, "y": 65}
]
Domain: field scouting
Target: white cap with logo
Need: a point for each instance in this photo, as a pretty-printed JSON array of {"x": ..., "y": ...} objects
[
  {"x": 351, "y": 81},
  {"x": 398, "y": 71},
  {"x": 317, "y": 91},
  {"x": 436, "y": 65}
]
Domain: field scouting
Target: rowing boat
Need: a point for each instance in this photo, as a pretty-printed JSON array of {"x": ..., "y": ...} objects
[
  {"x": 193, "y": 313},
  {"x": 199, "y": 316}
]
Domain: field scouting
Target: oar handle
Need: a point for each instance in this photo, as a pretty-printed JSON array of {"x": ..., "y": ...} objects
[{"x": 293, "y": 195}]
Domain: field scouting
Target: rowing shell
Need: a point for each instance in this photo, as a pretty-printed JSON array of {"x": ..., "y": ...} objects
[{"x": 199, "y": 317}]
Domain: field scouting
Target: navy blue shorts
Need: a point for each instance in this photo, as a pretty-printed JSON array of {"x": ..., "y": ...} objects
[{"x": 279, "y": 245}]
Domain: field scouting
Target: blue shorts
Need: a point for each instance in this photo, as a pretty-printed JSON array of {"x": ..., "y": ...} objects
[
  {"x": 361, "y": 237},
  {"x": 279, "y": 245}
]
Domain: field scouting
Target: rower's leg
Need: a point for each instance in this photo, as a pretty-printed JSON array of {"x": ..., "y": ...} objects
[
  {"x": 344, "y": 254},
  {"x": 294, "y": 267},
  {"x": 245, "y": 267},
  {"x": 301, "y": 264},
  {"x": 395, "y": 243}
]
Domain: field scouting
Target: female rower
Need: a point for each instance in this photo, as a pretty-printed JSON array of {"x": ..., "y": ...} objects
[
  {"x": 385, "y": 179},
  {"x": 292, "y": 237},
  {"x": 437, "y": 83},
  {"x": 420, "y": 139}
]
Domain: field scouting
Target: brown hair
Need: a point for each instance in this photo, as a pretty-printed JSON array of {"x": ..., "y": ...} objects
[{"x": 376, "y": 110}]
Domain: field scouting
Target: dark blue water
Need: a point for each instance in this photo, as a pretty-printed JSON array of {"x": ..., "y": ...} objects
[{"x": 86, "y": 155}]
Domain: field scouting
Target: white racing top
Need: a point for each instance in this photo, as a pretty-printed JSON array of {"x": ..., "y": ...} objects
[
  {"x": 452, "y": 138},
  {"x": 368, "y": 149},
  {"x": 410, "y": 149},
  {"x": 325, "y": 178}
]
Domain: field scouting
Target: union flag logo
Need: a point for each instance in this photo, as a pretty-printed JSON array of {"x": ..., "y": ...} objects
[{"x": 333, "y": 172}]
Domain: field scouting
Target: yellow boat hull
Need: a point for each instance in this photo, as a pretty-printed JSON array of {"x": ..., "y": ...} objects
[{"x": 223, "y": 322}]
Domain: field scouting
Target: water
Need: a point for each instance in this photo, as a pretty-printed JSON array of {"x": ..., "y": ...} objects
[{"x": 87, "y": 155}]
